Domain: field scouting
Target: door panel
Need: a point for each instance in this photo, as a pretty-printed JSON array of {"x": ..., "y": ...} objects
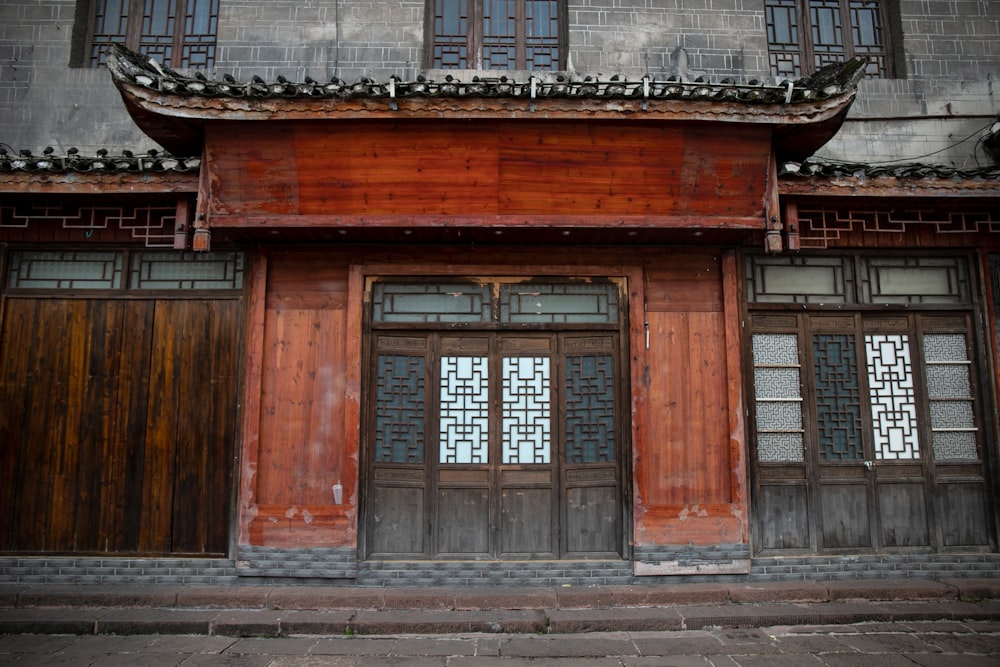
[
  {"x": 877, "y": 416},
  {"x": 903, "y": 515},
  {"x": 119, "y": 419},
  {"x": 513, "y": 438}
]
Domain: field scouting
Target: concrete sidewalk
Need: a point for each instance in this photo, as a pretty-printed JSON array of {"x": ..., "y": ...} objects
[{"x": 274, "y": 611}]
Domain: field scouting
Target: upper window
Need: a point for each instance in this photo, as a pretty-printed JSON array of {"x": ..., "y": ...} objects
[
  {"x": 496, "y": 34},
  {"x": 805, "y": 35},
  {"x": 178, "y": 33}
]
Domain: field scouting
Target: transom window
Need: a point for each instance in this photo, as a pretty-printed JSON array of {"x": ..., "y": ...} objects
[
  {"x": 496, "y": 34},
  {"x": 178, "y": 33},
  {"x": 805, "y": 35}
]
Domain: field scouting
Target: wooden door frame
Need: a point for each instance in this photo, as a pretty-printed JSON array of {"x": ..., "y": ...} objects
[{"x": 632, "y": 334}]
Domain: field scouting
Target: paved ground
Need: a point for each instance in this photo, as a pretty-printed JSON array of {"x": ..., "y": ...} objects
[
  {"x": 885, "y": 623},
  {"x": 931, "y": 644}
]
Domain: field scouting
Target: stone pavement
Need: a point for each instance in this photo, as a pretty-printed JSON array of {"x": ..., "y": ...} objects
[
  {"x": 282, "y": 611},
  {"x": 930, "y": 644}
]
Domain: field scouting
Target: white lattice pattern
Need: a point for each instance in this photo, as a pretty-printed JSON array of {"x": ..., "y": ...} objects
[
  {"x": 890, "y": 387},
  {"x": 526, "y": 410},
  {"x": 464, "y": 405}
]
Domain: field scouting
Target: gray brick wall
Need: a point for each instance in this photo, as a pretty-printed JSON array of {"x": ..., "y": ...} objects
[{"x": 952, "y": 54}]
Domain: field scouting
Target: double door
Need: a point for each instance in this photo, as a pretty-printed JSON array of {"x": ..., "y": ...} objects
[
  {"x": 868, "y": 434},
  {"x": 492, "y": 445}
]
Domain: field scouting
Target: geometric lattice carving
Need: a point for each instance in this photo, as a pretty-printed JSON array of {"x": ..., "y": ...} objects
[
  {"x": 399, "y": 409},
  {"x": 949, "y": 394},
  {"x": 526, "y": 410},
  {"x": 159, "y": 269},
  {"x": 464, "y": 410},
  {"x": 778, "y": 404},
  {"x": 590, "y": 409},
  {"x": 154, "y": 225},
  {"x": 890, "y": 386},
  {"x": 819, "y": 228},
  {"x": 838, "y": 398},
  {"x": 558, "y": 303},
  {"x": 65, "y": 269}
]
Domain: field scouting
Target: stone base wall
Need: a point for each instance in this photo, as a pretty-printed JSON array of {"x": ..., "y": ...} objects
[{"x": 338, "y": 567}]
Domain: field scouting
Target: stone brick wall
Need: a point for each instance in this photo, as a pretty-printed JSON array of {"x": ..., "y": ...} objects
[
  {"x": 690, "y": 38},
  {"x": 952, "y": 54},
  {"x": 44, "y": 102}
]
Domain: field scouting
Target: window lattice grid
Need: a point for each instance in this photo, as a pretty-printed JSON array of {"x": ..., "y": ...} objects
[
  {"x": 464, "y": 410},
  {"x": 821, "y": 32},
  {"x": 68, "y": 269},
  {"x": 590, "y": 409},
  {"x": 778, "y": 394},
  {"x": 399, "y": 409},
  {"x": 180, "y": 33},
  {"x": 495, "y": 34},
  {"x": 526, "y": 413},
  {"x": 186, "y": 270},
  {"x": 949, "y": 392},
  {"x": 838, "y": 398},
  {"x": 431, "y": 303},
  {"x": 559, "y": 303},
  {"x": 891, "y": 392}
]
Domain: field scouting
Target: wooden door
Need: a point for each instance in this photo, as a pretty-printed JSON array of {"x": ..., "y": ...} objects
[
  {"x": 495, "y": 445},
  {"x": 868, "y": 434},
  {"x": 117, "y": 419}
]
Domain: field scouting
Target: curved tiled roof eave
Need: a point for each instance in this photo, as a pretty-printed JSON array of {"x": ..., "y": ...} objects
[{"x": 172, "y": 108}]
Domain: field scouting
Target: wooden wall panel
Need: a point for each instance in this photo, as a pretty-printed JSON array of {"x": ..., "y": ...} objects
[
  {"x": 303, "y": 450},
  {"x": 481, "y": 169},
  {"x": 686, "y": 489},
  {"x": 118, "y": 424}
]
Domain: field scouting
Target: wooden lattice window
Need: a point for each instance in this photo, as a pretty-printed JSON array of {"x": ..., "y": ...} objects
[
  {"x": 178, "y": 33},
  {"x": 805, "y": 35},
  {"x": 496, "y": 34}
]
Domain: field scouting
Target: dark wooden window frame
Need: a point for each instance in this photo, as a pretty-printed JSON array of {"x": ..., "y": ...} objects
[
  {"x": 85, "y": 52},
  {"x": 806, "y": 52},
  {"x": 474, "y": 37}
]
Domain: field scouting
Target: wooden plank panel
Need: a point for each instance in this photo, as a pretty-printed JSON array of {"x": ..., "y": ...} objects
[
  {"x": 126, "y": 513},
  {"x": 687, "y": 282},
  {"x": 303, "y": 448},
  {"x": 204, "y": 436},
  {"x": 599, "y": 168},
  {"x": 408, "y": 168},
  {"x": 724, "y": 170},
  {"x": 481, "y": 169},
  {"x": 163, "y": 415},
  {"x": 15, "y": 411},
  {"x": 688, "y": 450}
]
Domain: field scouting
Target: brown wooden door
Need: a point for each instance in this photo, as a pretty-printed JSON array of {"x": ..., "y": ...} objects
[
  {"x": 868, "y": 434},
  {"x": 117, "y": 423},
  {"x": 494, "y": 445}
]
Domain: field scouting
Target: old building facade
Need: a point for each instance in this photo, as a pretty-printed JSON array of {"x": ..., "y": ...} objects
[{"x": 426, "y": 293}]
